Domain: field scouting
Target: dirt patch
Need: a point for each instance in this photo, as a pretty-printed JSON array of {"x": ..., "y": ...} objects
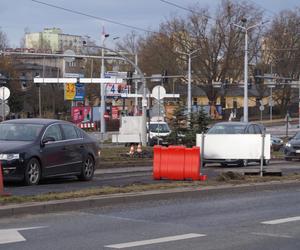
[{"x": 230, "y": 175}]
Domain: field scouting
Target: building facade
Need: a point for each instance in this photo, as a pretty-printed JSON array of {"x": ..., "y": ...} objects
[{"x": 55, "y": 40}]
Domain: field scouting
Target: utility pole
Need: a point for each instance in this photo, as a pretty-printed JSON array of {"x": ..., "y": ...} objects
[
  {"x": 189, "y": 90},
  {"x": 136, "y": 85},
  {"x": 246, "y": 29},
  {"x": 102, "y": 86}
]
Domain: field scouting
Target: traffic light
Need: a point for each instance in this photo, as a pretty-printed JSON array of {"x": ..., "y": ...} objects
[
  {"x": 129, "y": 77},
  {"x": 165, "y": 78},
  {"x": 258, "y": 76},
  {"x": 23, "y": 81},
  {"x": 250, "y": 83}
]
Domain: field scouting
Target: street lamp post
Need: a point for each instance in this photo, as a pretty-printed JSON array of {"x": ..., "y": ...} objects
[
  {"x": 189, "y": 90},
  {"x": 102, "y": 87},
  {"x": 246, "y": 29}
]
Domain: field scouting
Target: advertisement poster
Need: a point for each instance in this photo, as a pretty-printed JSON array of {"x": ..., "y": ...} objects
[
  {"x": 74, "y": 91},
  {"x": 70, "y": 91},
  {"x": 81, "y": 114},
  {"x": 79, "y": 96},
  {"x": 116, "y": 89},
  {"x": 114, "y": 112}
]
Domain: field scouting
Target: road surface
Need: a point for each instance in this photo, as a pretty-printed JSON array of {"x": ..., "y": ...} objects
[{"x": 259, "y": 217}]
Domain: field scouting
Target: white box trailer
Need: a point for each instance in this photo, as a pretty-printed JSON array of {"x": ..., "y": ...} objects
[{"x": 130, "y": 130}]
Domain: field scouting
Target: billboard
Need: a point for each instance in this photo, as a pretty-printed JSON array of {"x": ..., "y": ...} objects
[
  {"x": 81, "y": 114},
  {"x": 116, "y": 89},
  {"x": 74, "y": 91}
]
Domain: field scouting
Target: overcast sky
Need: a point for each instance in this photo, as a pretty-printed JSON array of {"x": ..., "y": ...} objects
[{"x": 18, "y": 15}]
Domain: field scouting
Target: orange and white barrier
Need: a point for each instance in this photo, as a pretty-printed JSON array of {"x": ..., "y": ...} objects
[
  {"x": 131, "y": 151},
  {"x": 87, "y": 125},
  {"x": 177, "y": 163}
]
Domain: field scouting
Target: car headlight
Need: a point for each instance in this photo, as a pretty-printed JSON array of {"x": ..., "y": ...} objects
[
  {"x": 288, "y": 144},
  {"x": 9, "y": 157}
]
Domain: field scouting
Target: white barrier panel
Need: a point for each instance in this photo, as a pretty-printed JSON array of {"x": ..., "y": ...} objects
[{"x": 234, "y": 146}]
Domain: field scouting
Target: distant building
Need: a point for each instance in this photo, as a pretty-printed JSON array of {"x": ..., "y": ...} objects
[{"x": 53, "y": 39}]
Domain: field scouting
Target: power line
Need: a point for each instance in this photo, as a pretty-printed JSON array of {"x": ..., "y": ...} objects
[
  {"x": 273, "y": 13},
  {"x": 187, "y": 9},
  {"x": 92, "y": 16}
]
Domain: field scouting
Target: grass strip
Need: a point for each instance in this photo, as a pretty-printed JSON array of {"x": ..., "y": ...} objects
[{"x": 233, "y": 179}]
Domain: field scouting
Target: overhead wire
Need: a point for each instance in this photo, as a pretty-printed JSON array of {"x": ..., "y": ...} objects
[{"x": 92, "y": 16}]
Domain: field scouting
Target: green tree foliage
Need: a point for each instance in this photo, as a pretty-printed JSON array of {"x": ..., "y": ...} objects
[{"x": 184, "y": 134}]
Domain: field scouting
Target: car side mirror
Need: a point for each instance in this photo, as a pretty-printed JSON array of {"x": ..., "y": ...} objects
[{"x": 47, "y": 139}]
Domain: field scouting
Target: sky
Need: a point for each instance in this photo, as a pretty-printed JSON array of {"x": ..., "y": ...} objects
[{"x": 16, "y": 16}]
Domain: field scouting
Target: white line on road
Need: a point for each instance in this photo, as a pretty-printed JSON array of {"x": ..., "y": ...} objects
[
  {"x": 279, "y": 221},
  {"x": 155, "y": 241},
  {"x": 12, "y": 235},
  {"x": 273, "y": 235}
]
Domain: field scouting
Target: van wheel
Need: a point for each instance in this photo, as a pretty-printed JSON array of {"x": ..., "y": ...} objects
[{"x": 266, "y": 162}]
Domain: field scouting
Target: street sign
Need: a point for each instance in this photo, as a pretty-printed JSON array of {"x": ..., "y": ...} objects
[
  {"x": 4, "y": 93},
  {"x": 4, "y": 109},
  {"x": 69, "y": 53},
  {"x": 261, "y": 108},
  {"x": 158, "y": 92}
]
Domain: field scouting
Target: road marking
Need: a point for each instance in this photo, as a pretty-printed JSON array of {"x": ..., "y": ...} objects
[
  {"x": 12, "y": 235},
  {"x": 279, "y": 221},
  {"x": 273, "y": 235},
  {"x": 155, "y": 241}
]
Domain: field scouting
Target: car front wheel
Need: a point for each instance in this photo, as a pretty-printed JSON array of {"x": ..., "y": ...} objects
[
  {"x": 88, "y": 168},
  {"x": 243, "y": 163},
  {"x": 32, "y": 172}
]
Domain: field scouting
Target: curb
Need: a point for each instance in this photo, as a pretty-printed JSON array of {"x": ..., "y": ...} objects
[{"x": 31, "y": 208}]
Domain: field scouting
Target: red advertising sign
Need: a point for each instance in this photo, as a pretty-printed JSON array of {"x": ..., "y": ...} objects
[
  {"x": 114, "y": 112},
  {"x": 81, "y": 114}
]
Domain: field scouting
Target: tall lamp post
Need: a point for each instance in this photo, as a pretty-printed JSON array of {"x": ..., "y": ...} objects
[
  {"x": 246, "y": 29},
  {"x": 189, "y": 90},
  {"x": 102, "y": 86}
]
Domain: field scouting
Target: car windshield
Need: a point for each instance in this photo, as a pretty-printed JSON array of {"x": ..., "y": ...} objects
[
  {"x": 159, "y": 128},
  {"x": 19, "y": 132},
  {"x": 297, "y": 136},
  {"x": 227, "y": 129}
]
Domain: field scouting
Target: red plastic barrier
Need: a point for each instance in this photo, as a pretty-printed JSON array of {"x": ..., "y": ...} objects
[
  {"x": 156, "y": 162},
  {"x": 2, "y": 193},
  {"x": 176, "y": 163},
  {"x": 1, "y": 181}
]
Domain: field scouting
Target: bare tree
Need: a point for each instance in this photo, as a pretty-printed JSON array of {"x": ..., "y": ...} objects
[
  {"x": 220, "y": 46},
  {"x": 3, "y": 40},
  {"x": 282, "y": 52}
]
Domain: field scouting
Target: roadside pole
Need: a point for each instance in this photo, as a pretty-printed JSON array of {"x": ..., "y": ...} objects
[
  {"x": 262, "y": 154},
  {"x": 202, "y": 152}
]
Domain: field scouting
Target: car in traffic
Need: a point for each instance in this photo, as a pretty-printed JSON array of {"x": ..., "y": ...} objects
[
  {"x": 291, "y": 149},
  {"x": 236, "y": 128},
  {"x": 276, "y": 143},
  {"x": 33, "y": 149}
]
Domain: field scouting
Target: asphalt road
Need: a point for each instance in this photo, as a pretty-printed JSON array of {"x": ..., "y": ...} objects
[
  {"x": 261, "y": 217},
  {"x": 128, "y": 176}
]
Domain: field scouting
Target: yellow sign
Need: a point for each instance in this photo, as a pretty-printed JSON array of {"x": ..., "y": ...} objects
[{"x": 70, "y": 91}]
